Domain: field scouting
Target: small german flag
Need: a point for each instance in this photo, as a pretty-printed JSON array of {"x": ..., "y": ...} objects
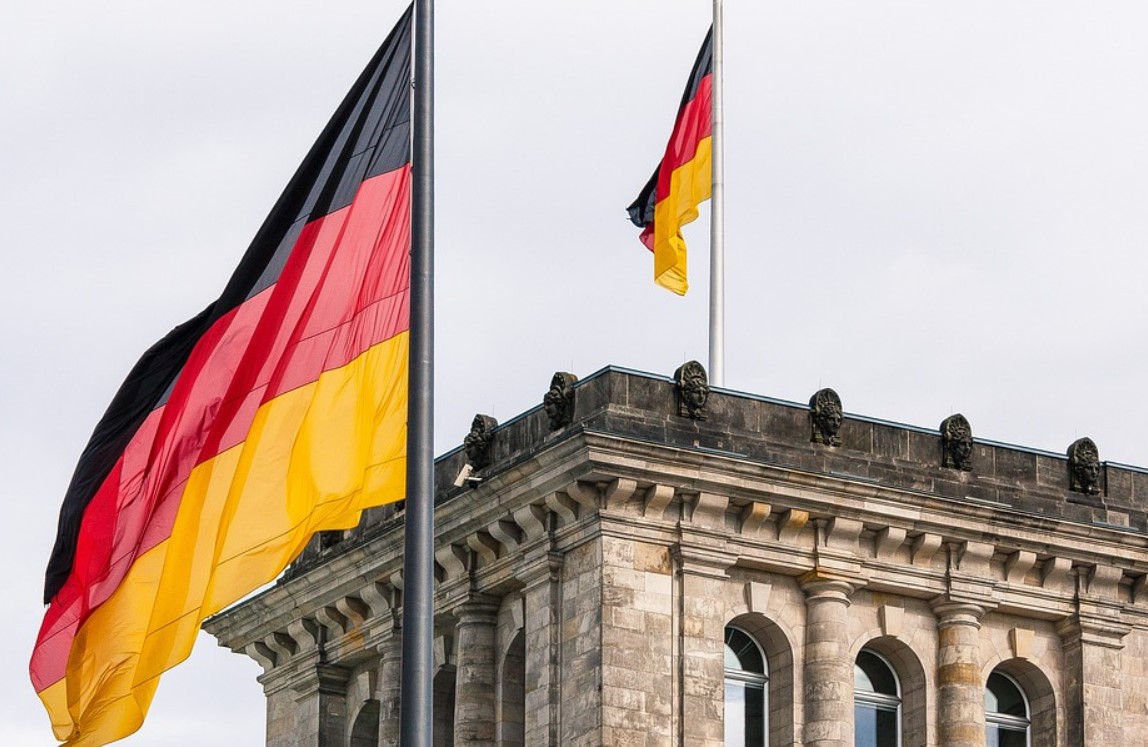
[
  {"x": 683, "y": 179},
  {"x": 278, "y": 411}
]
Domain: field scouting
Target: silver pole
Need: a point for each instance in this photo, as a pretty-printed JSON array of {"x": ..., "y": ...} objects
[
  {"x": 416, "y": 688},
  {"x": 717, "y": 215}
]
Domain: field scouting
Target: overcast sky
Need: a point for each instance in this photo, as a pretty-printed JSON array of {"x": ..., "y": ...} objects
[{"x": 931, "y": 207}]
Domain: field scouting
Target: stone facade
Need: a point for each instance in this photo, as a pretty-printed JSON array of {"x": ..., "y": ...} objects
[{"x": 587, "y": 576}]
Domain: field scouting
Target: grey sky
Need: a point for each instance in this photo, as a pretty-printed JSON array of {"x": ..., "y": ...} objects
[{"x": 931, "y": 207}]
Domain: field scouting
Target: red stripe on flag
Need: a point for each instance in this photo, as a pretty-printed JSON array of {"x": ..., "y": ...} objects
[{"x": 694, "y": 124}]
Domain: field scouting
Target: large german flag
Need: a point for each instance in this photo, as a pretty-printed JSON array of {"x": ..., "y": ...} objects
[
  {"x": 683, "y": 179},
  {"x": 278, "y": 411}
]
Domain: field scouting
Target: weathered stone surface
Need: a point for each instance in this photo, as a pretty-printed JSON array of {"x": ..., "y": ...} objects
[
  {"x": 606, "y": 559},
  {"x": 960, "y": 687}
]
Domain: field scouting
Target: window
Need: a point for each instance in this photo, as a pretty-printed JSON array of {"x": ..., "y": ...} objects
[
  {"x": 876, "y": 702},
  {"x": 510, "y": 710},
  {"x": 1007, "y": 716},
  {"x": 365, "y": 730},
  {"x": 745, "y": 686},
  {"x": 442, "y": 731}
]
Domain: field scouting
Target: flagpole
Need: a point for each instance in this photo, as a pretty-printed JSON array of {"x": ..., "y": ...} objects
[
  {"x": 417, "y": 694},
  {"x": 717, "y": 214}
]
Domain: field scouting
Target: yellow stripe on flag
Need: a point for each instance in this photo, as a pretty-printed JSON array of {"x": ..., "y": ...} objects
[
  {"x": 690, "y": 185},
  {"x": 341, "y": 443}
]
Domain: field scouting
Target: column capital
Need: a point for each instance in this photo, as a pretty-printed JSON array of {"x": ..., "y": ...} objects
[
  {"x": 820, "y": 585},
  {"x": 1081, "y": 629},
  {"x": 392, "y": 645},
  {"x": 541, "y": 569},
  {"x": 703, "y": 561},
  {"x": 298, "y": 674},
  {"x": 478, "y": 609},
  {"x": 326, "y": 679},
  {"x": 951, "y": 612}
]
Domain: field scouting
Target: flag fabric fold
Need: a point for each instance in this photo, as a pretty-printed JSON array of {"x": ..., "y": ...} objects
[
  {"x": 683, "y": 179},
  {"x": 278, "y": 411}
]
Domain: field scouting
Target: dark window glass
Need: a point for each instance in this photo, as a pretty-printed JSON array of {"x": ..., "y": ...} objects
[
  {"x": 877, "y": 699},
  {"x": 744, "y": 714},
  {"x": 872, "y": 675},
  {"x": 742, "y": 653},
  {"x": 1004, "y": 697},
  {"x": 1006, "y": 713}
]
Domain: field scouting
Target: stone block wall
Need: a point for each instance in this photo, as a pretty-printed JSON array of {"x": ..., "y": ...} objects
[
  {"x": 580, "y": 702},
  {"x": 637, "y": 643},
  {"x": 1134, "y": 674}
]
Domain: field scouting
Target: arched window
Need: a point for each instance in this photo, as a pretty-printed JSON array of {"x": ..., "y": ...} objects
[
  {"x": 442, "y": 731},
  {"x": 1007, "y": 716},
  {"x": 876, "y": 702},
  {"x": 745, "y": 688},
  {"x": 510, "y": 712},
  {"x": 365, "y": 730}
]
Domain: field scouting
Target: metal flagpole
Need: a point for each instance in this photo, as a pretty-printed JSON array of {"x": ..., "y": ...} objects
[
  {"x": 717, "y": 215},
  {"x": 417, "y": 694}
]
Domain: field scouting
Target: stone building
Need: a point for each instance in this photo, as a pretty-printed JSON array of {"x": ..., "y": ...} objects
[{"x": 641, "y": 561}]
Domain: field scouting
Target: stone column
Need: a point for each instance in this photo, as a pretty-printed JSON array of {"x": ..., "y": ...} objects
[
  {"x": 390, "y": 686},
  {"x": 960, "y": 688},
  {"x": 828, "y": 668},
  {"x": 474, "y": 694},
  {"x": 1093, "y": 677}
]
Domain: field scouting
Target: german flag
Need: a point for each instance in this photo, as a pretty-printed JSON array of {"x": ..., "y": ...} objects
[
  {"x": 683, "y": 179},
  {"x": 278, "y": 411}
]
